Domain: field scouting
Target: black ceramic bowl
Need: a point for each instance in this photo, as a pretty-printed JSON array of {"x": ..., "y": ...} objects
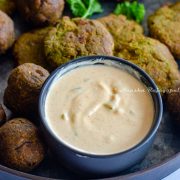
[{"x": 100, "y": 165}]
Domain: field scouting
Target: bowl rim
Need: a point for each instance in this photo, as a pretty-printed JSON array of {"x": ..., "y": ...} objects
[{"x": 53, "y": 75}]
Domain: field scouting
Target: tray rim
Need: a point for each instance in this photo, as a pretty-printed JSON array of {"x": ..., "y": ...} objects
[{"x": 158, "y": 171}]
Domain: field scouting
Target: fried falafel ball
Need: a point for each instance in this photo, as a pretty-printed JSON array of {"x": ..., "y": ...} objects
[
  {"x": 122, "y": 29},
  {"x": 164, "y": 25},
  {"x": 7, "y": 6},
  {"x": 72, "y": 38},
  {"x": 155, "y": 58},
  {"x": 2, "y": 115},
  {"x": 24, "y": 86},
  {"x": 29, "y": 48},
  {"x": 20, "y": 145},
  {"x": 7, "y": 32},
  {"x": 149, "y": 54},
  {"x": 41, "y": 12}
]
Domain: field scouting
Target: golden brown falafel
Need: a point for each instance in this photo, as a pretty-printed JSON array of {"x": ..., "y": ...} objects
[
  {"x": 41, "y": 12},
  {"x": 29, "y": 48},
  {"x": 149, "y": 54},
  {"x": 164, "y": 25},
  {"x": 72, "y": 38},
  {"x": 24, "y": 85},
  {"x": 122, "y": 29},
  {"x": 155, "y": 58},
  {"x": 20, "y": 145},
  {"x": 7, "y": 32}
]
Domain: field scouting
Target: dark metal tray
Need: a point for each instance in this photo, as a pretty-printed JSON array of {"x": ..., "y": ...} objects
[{"x": 162, "y": 159}]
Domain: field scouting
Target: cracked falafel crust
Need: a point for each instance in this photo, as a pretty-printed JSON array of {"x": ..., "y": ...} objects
[
  {"x": 29, "y": 48},
  {"x": 123, "y": 30},
  {"x": 155, "y": 58},
  {"x": 76, "y": 37},
  {"x": 21, "y": 147},
  {"x": 164, "y": 25},
  {"x": 23, "y": 89},
  {"x": 41, "y": 12},
  {"x": 7, "y": 32}
]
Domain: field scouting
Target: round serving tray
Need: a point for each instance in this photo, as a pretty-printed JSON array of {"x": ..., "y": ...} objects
[
  {"x": 162, "y": 159},
  {"x": 156, "y": 172}
]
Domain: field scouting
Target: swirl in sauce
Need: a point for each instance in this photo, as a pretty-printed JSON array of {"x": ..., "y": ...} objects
[{"x": 97, "y": 109}]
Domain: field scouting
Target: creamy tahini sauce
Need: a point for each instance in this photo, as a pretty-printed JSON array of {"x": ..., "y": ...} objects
[{"x": 95, "y": 110}]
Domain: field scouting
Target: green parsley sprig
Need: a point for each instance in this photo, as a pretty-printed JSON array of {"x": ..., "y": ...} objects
[
  {"x": 133, "y": 10},
  {"x": 84, "y": 8}
]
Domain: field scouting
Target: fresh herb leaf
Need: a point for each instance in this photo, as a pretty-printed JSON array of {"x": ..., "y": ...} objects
[
  {"x": 77, "y": 7},
  {"x": 93, "y": 7},
  {"x": 132, "y": 10},
  {"x": 138, "y": 11},
  {"x": 84, "y": 8}
]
